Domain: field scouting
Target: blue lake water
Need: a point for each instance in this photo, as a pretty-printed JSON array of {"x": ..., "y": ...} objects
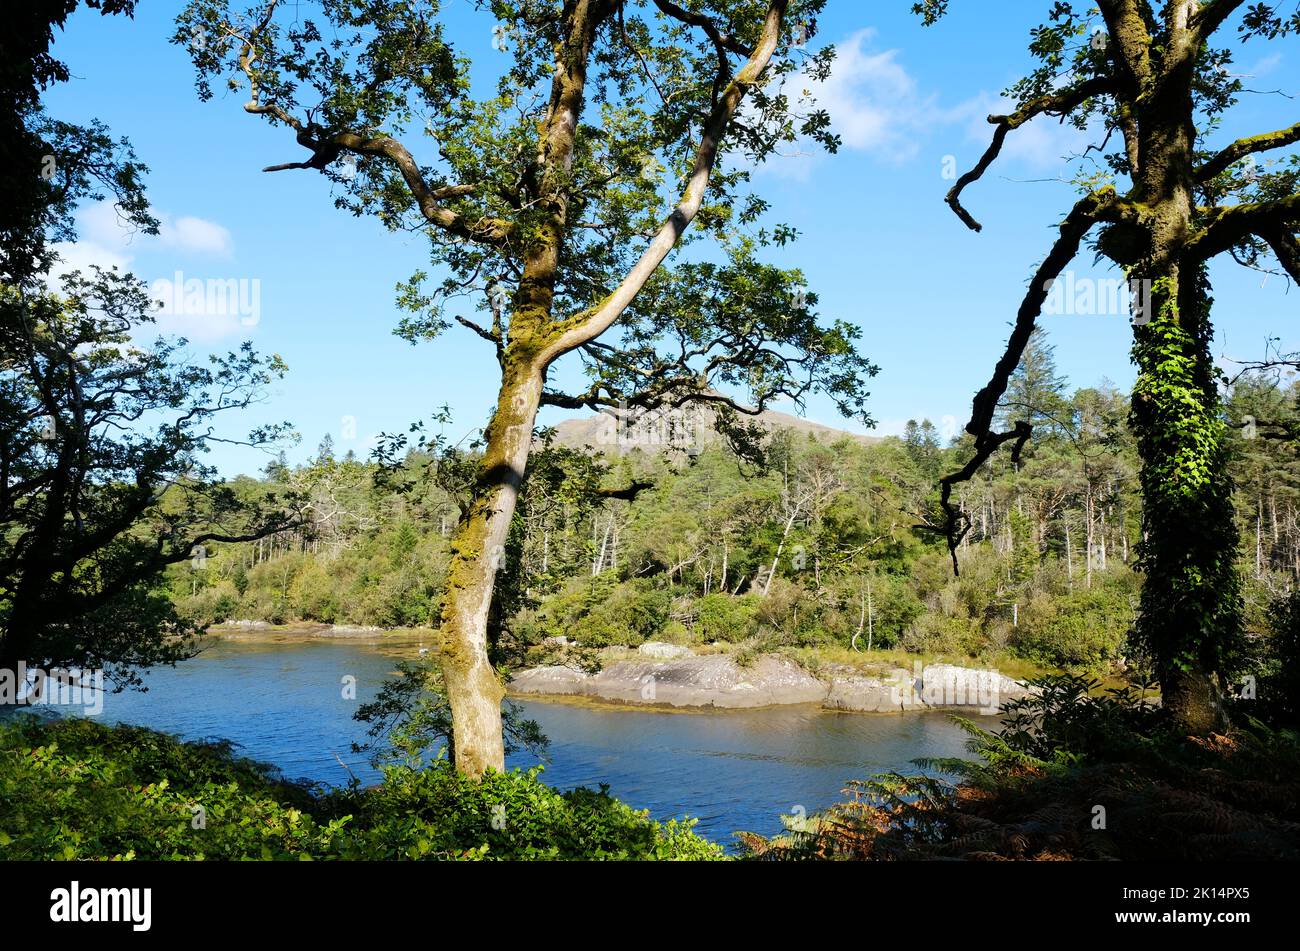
[{"x": 283, "y": 704}]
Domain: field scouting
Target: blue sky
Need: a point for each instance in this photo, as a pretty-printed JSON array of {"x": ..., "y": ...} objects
[{"x": 878, "y": 244}]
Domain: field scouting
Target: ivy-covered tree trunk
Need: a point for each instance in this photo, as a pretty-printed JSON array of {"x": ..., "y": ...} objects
[
  {"x": 1191, "y": 615},
  {"x": 1153, "y": 77},
  {"x": 1191, "y": 599}
]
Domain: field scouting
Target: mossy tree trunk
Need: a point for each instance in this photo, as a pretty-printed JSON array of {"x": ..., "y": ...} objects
[{"x": 473, "y": 688}]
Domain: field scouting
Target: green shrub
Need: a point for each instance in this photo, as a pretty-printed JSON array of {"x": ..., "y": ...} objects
[
  {"x": 1082, "y": 630},
  {"x": 600, "y": 612},
  {"x": 724, "y": 617},
  {"x": 78, "y": 789},
  {"x": 940, "y": 634},
  {"x": 210, "y": 605},
  {"x": 436, "y": 812}
]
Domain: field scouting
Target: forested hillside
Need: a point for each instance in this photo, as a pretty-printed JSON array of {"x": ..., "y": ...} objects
[{"x": 822, "y": 543}]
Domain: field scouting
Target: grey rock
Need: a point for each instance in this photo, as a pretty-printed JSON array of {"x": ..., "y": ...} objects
[
  {"x": 948, "y": 686},
  {"x": 549, "y": 681},
  {"x": 892, "y": 691},
  {"x": 353, "y": 630},
  {"x": 710, "y": 681},
  {"x": 716, "y": 680},
  {"x": 662, "y": 651}
]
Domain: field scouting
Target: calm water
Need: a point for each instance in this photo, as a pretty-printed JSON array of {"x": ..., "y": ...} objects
[{"x": 282, "y": 703}]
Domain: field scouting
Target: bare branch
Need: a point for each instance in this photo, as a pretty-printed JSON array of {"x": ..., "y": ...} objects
[
  {"x": 1087, "y": 212},
  {"x": 1055, "y": 104}
]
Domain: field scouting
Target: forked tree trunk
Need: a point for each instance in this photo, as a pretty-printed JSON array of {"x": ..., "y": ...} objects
[
  {"x": 477, "y": 553},
  {"x": 533, "y": 342}
]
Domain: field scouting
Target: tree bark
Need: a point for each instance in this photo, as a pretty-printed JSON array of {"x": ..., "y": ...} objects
[
  {"x": 473, "y": 688},
  {"x": 1194, "y": 700}
]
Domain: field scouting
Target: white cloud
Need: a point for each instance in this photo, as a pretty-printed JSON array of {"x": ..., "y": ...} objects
[
  {"x": 873, "y": 101},
  {"x": 877, "y": 106},
  {"x": 80, "y": 255},
  {"x": 101, "y": 225},
  {"x": 196, "y": 327},
  {"x": 196, "y": 235}
]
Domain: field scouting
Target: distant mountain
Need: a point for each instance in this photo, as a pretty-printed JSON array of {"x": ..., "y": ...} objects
[{"x": 680, "y": 430}]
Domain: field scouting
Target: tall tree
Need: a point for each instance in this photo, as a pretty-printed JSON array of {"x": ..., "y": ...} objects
[
  {"x": 545, "y": 203},
  {"x": 43, "y": 162},
  {"x": 1149, "y": 78},
  {"x": 102, "y": 483},
  {"x": 1035, "y": 391},
  {"x": 101, "y": 479}
]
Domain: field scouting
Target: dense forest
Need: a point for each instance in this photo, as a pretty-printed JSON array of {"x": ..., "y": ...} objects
[{"x": 821, "y": 542}]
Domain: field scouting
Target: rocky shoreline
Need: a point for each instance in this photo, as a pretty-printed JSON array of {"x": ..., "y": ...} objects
[
  {"x": 688, "y": 680},
  {"x": 673, "y": 677},
  {"x": 260, "y": 630}
]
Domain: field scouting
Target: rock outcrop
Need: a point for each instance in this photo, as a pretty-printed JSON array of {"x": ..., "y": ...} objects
[
  {"x": 892, "y": 691},
  {"x": 713, "y": 680},
  {"x": 716, "y": 680},
  {"x": 662, "y": 651},
  {"x": 946, "y": 686}
]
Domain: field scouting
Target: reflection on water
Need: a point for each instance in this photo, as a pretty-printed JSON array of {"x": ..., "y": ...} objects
[{"x": 284, "y": 704}]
